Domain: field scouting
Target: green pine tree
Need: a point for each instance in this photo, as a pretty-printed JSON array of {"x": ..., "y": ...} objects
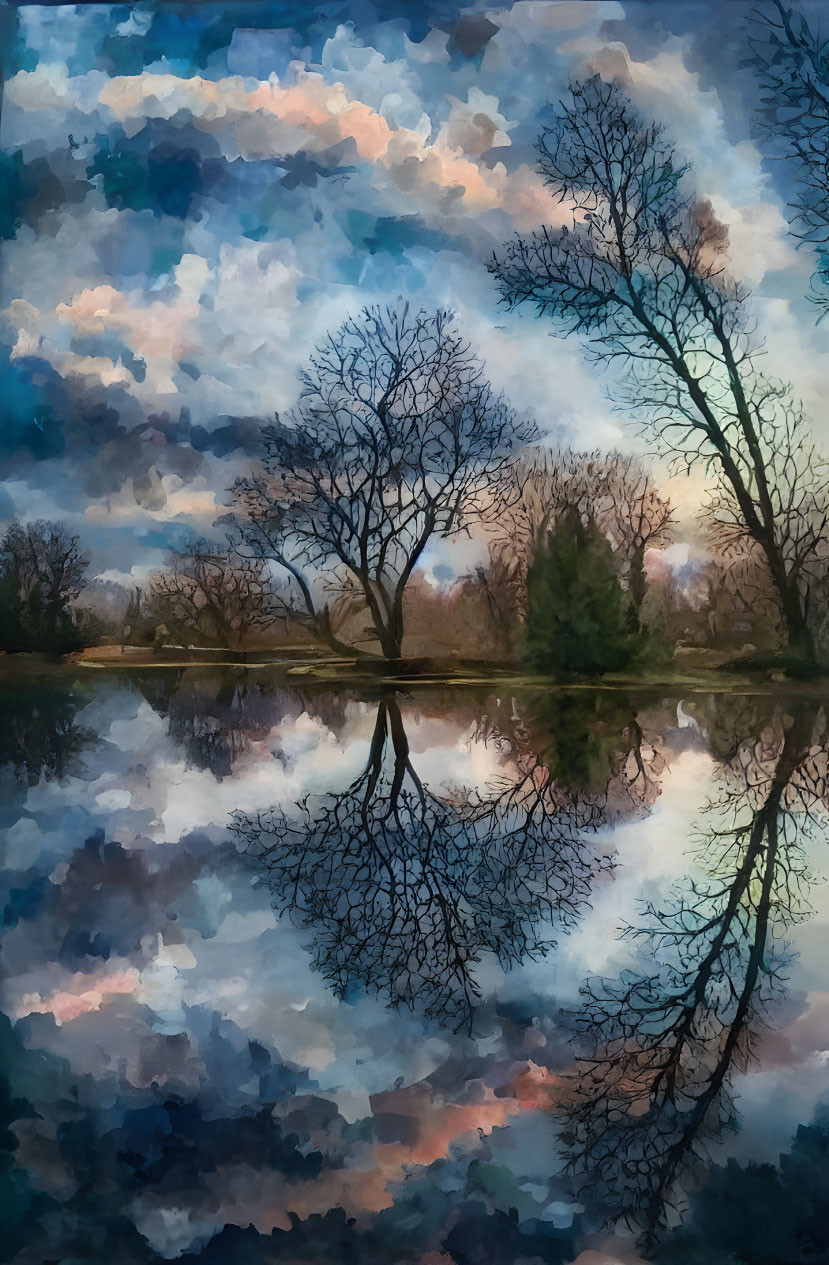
[{"x": 578, "y": 621}]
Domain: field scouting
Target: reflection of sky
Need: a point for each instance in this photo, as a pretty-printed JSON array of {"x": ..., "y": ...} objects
[{"x": 159, "y": 960}]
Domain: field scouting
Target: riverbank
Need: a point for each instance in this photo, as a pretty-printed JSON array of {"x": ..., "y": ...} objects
[{"x": 699, "y": 670}]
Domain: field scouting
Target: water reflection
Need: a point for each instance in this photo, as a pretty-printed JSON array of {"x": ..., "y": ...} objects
[
  {"x": 664, "y": 1040},
  {"x": 405, "y": 889},
  {"x": 407, "y": 1047},
  {"x": 40, "y": 736},
  {"x": 587, "y": 745}
]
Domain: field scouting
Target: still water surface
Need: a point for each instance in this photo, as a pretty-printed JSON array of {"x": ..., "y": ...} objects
[{"x": 300, "y": 974}]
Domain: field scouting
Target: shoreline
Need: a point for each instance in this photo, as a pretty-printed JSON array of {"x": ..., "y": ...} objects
[{"x": 300, "y": 665}]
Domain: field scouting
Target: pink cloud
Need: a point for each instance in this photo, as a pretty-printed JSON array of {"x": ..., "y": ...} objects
[
  {"x": 81, "y": 994},
  {"x": 312, "y": 114}
]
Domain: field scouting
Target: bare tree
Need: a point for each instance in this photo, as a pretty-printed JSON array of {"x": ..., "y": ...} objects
[
  {"x": 791, "y": 59},
  {"x": 663, "y": 1040},
  {"x": 797, "y": 494},
  {"x": 46, "y": 558},
  {"x": 42, "y": 570},
  {"x": 404, "y": 890},
  {"x": 635, "y": 517},
  {"x": 397, "y": 438},
  {"x": 641, "y": 274},
  {"x": 208, "y": 593},
  {"x": 261, "y": 528}
]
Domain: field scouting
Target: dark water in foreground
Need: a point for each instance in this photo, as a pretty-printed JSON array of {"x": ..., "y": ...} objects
[{"x": 306, "y": 976}]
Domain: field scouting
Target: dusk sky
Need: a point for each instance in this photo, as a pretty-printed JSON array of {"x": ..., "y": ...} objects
[{"x": 198, "y": 192}]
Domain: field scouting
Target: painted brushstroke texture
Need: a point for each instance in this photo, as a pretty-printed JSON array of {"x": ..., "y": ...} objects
[{"x": 162, "y": 169}]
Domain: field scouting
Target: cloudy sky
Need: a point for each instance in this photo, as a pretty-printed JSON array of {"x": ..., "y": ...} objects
[{"x": 198, "y": 192}]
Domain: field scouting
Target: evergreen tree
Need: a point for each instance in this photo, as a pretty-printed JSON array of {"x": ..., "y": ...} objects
[{"x": 577, "y": 612}]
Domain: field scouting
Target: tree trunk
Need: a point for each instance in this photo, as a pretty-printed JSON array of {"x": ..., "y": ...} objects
[
  {"x": 799, "y": 639},
  {"x": 389, "y": 634},
  {"x": 799, "y": 635},
  {"x": 636, "y": 582},
  {"x": 322, "y": 624}
]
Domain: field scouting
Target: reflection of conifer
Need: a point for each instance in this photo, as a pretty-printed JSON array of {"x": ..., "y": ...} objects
[
  {"x": 761, "y": 1214},
  {"x": 587, "y": 744},
  {"x": 576, "y": 608}
]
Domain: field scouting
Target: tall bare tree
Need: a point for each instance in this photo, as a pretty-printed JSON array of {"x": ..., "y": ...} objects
[
  {"x": 640, "y": 273},
  {"x": 797, "y": 493},
  {"x": 791, "y": 58},
  {"x": 397, "y": 438}
]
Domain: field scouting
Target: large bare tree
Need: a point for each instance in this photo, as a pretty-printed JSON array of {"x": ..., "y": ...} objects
[
  {"x": 641, "y": 274},
  {"x": 791, "y": 59},
  {"x": 397, "y": 438}
]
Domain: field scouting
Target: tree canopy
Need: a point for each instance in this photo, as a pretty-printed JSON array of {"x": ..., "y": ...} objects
[
  {"x": 42, "y": 570},
  {"x": 397, "y": 437}
]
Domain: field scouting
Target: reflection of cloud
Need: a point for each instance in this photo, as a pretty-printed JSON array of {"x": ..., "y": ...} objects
[
  {"x": 78, "y": 994},
  {"x": 804, "y": 1040},
  {"x": 207, "y": 1008},
  {"x": 435, "y": 1128}
]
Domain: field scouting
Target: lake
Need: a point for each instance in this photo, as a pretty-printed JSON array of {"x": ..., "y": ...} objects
[{"x": 298, "y": 973}]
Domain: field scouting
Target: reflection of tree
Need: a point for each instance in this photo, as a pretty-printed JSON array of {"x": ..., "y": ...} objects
[
  {"x": 216, "y": 716},
  {"x": 406, "y": 890},
  {"x": 39, "y": 736},
  {"x": 664, "y": 1040},
  {"x": 589, "y": 742}
]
